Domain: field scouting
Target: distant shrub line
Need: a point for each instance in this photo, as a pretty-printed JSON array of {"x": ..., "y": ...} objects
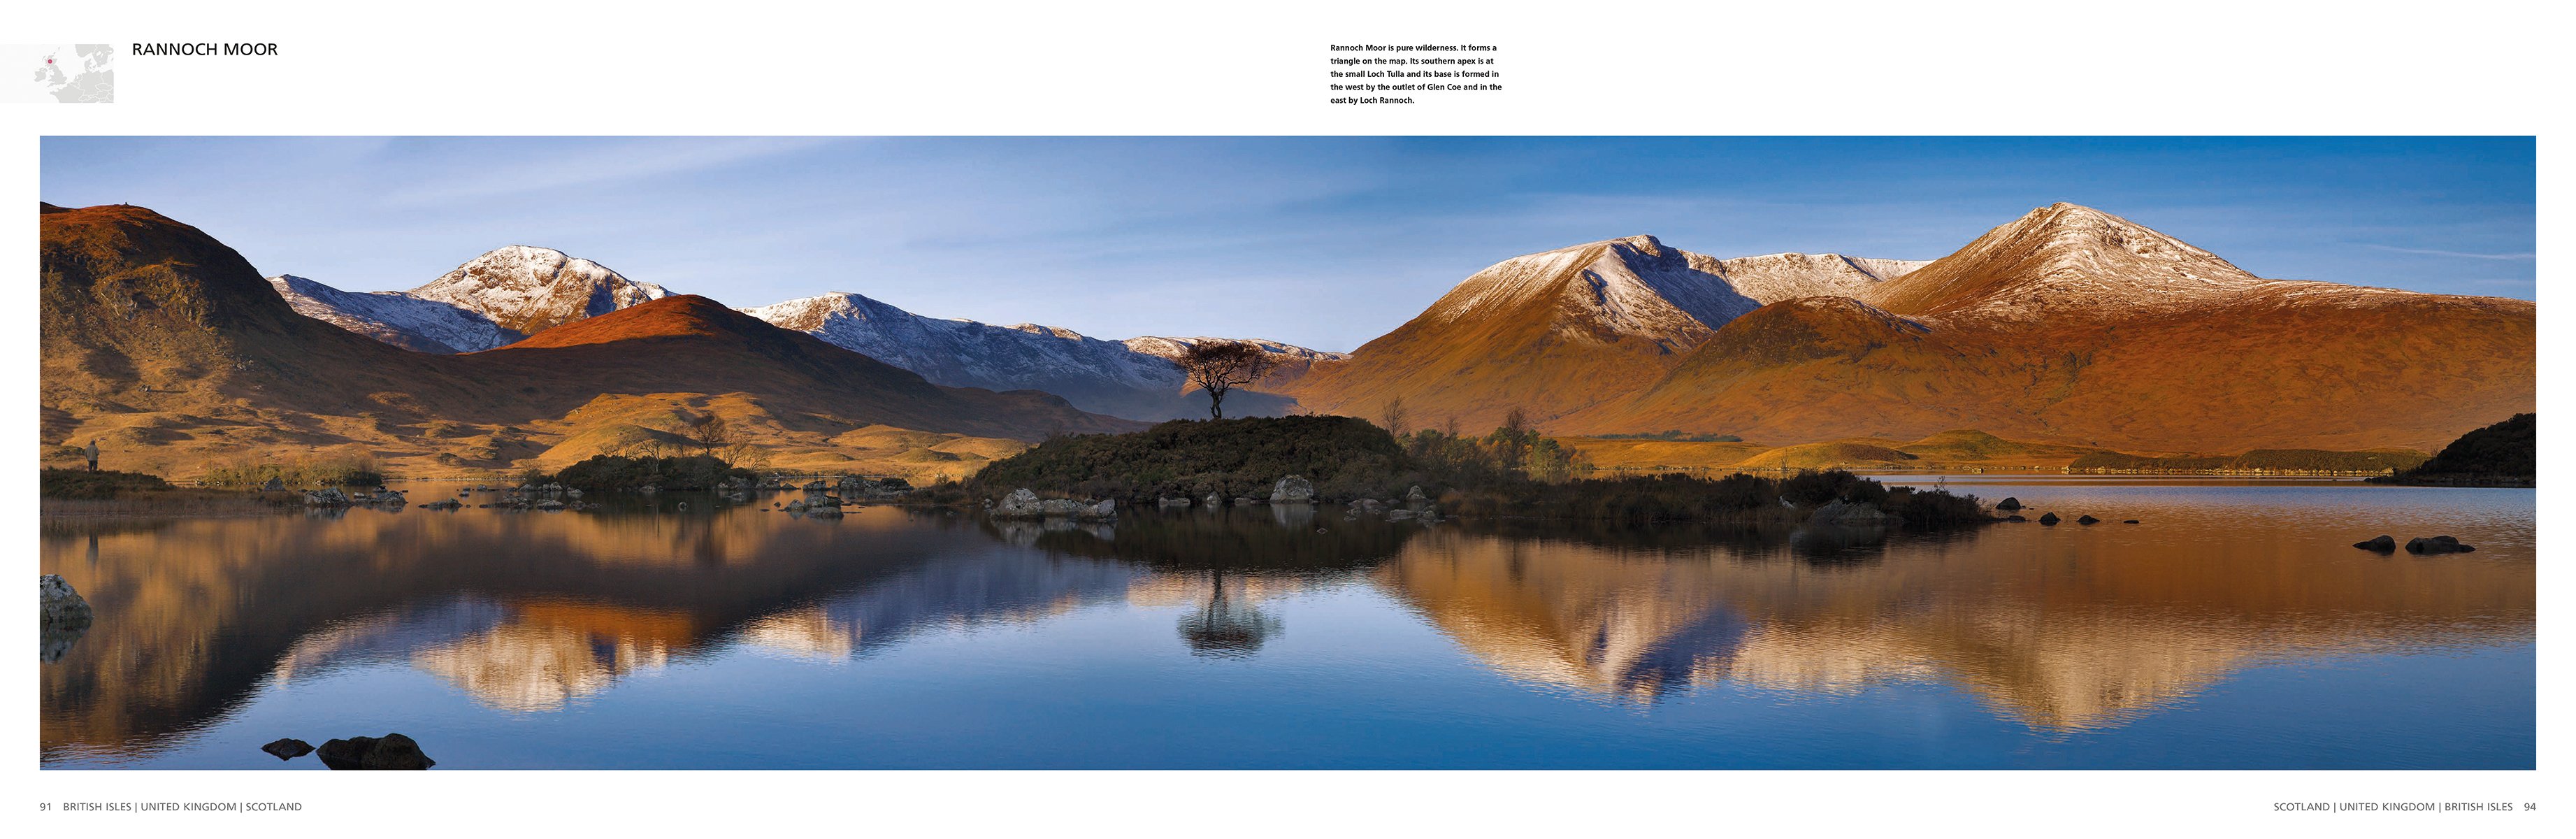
[{"x": 2259, "y": 460}]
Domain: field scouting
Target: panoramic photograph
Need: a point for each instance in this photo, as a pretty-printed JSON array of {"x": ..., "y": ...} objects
[{"x": 2038, "y": 453}]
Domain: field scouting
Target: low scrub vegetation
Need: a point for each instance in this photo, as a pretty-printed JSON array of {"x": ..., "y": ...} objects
[
  {"x": 616, "y": 472},
  {"x": 340, "y": 468},
  {"x": 2310, "y": 461},
  {"x": 2504, "y": 454},
  {"x": 1511, "y": 471}
]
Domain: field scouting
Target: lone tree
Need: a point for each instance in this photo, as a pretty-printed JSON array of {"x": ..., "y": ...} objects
[
  {"x": 1220, "y": 366},
  {"x": 709, "y": 433},
  {"x": 1394, "y": 419}
]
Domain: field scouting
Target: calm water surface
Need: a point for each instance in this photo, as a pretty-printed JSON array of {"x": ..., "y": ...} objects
[{"x": 2233, "y": 627}]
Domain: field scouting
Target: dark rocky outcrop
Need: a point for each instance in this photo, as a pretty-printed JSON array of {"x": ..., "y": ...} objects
[
  {"x": 2048, "y": 518},
  {"x": 2009, "y": 504},
  {"x": 392, "y": 751},
  {"x": 2383, "y": 543},
  {"x": 2437, "y": 545},
  {"x": 61, "y": 606},
  {"x": 288, "y": 748},
  {"x": 2088, "y": 519}
]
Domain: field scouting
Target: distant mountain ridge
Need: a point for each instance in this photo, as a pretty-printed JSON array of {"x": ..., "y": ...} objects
[
  {"x": 511, "y": 293},
  {"x": 499, "y": 297},
  {"x": 1135, "y": 379}
]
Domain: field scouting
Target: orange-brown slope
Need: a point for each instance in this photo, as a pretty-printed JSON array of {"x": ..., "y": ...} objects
[
  {"x": 140, "y": 313},
  {"x": 692, "y": 344},
  {"x": 1548, "y": 333}
]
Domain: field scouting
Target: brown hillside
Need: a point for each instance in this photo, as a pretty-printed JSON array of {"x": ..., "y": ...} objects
[
  {"x": 2024, "y": 335},
  {"x": 168, "y": 348},
  {"x": 1553, "y": 333}
]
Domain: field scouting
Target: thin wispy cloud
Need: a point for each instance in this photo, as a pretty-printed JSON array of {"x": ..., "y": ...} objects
[
  {"x": 625, "y": 162},
  {"x": 2460, "y": 254}
]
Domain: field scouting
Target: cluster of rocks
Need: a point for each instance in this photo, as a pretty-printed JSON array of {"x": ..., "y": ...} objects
[
  {"x": 1025, "y": 504},
  {"x": 2010, "y": 505},
  {"x": 334, "y": 497},
  {"x": 1414, "y": 506},
  {"x": 546, "y": 496},
  {"x": 392, "y": 751},
  {"x": 2419, "y": 545},
  {"x": 817, "y": 504}
]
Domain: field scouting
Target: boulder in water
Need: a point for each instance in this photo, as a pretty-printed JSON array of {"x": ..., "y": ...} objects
[
  {"x": 2088, "y": 519},
  {"x": 61, "y": 607},
  {"x": 392, "y": 751},
  {"x": 2437, "y": 545},
  {"x": 1020, "y": 504},
  {"x": 2048, "y": 519},
  {"x": 1294, "y": 489},
  {"x": 2383, "y": 543},
  {"x": 2009, "y": 504},
  {"x": 288, "y": 748}
]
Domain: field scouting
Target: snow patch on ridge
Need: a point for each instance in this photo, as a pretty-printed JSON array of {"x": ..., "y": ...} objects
[{"x": 1637, "y": 286}]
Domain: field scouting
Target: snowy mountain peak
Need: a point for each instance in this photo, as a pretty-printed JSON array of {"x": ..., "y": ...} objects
[
  {"x": 2067, "y": 259},
  {"x": 530, "y": 289},
  {"x": 1637, "y": 286}
]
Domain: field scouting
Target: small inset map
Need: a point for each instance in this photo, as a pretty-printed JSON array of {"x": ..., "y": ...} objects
[{"x": 57, "y": 73}]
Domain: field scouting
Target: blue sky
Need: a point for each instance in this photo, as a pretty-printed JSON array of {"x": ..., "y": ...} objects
[{"x": 1323, "y": 241}]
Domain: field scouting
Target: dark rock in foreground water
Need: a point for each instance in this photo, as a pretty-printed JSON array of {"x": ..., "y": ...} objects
[
  {"x": 2048, "y": 518},
  {"x": 2129, "y": 521},
  {"x": 2009, "y": 504},
  {"x": 62, "y": 608},
  {"x": 2437, "y": 545},
  {"x": 2015, "y": 518},
  {"x": 2383, "y": 544},
  {"x": 288, "y": 748},
  {"x": 2088, "y": 519},
  {"x": 392, "y": 751}
]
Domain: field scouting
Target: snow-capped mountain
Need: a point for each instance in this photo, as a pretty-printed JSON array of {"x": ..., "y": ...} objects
[
  {"x": 530, "y": 290},
  {"x": 1134, "y": 379},
  {"x": 494, "y": 299},
  {"x": 1553, "y": 332},
  {"x": 2073, "y": 325},
  {"x": 1638, "y": 287},
  {"x": 2065, "y": 260}
]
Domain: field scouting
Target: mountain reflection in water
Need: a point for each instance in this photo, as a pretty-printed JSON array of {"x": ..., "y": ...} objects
[{"x": 2057, "y": 630}]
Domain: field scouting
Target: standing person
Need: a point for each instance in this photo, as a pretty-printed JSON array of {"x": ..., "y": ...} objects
[{"x": 93, "y": 455}]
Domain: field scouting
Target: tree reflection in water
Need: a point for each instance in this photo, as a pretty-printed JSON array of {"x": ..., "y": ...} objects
[{"x": 1226, "y": 626}]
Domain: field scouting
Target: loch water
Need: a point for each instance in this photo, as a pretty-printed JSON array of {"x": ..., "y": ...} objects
[{"x": 2234, "y": 626}]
